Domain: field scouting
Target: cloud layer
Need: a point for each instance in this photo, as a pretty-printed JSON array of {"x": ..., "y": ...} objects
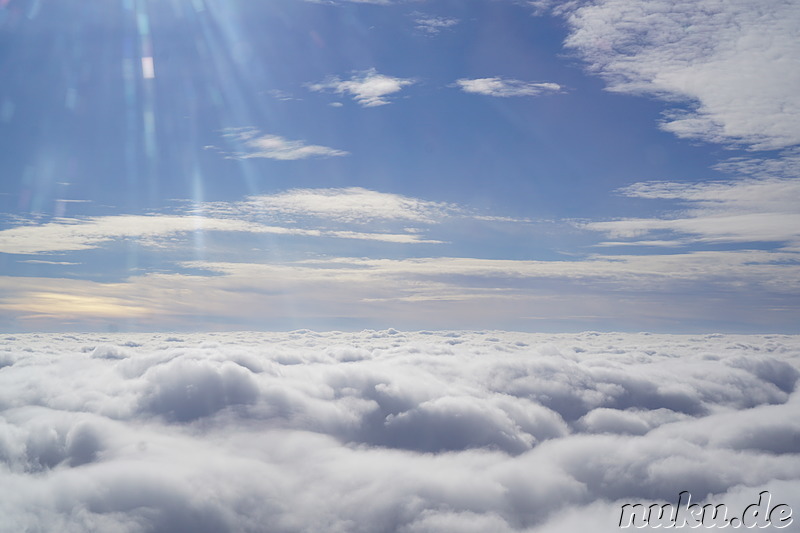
[
  {"x": 383, "y": 431},
  {"x": 643, "y": 291}
]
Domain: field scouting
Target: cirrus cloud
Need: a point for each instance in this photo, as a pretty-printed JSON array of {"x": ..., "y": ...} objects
[{"x": 267, "y": 146}]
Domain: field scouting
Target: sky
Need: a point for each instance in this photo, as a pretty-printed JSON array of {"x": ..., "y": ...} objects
[
  {"x": 196, "y": 165},
  {"x": 390, "y": 432}
]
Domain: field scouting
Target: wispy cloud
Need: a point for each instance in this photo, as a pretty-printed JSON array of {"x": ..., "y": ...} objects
[
  {"x": 345, "y": 205},
  {"x": 431, "y": 24},
  {"x": 732, "y": 64},
  {"x": 503, "y": 87},
  {"x": 75, "y": 234},
  {"x": 446, "y": 291},
  {"x": 346, "y": 213},
  {"x": 43, "y": 262},
  {"x": 275, "y": 147},
  {"x": 369, "y": 88},
  {"x": 746, "y": 210}
]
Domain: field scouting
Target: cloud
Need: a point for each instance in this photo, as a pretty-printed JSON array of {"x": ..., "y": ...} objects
[
  {"x": 388, "y": 430},
  {"x": 350, "y": 208},
  {"x": 275, "y": 147},
  {"x": 369, "y": 88},
  {"x": 71, "y": 234},
  {"x": 42, "y": 262},
  {"x": 67, "y": 235},
  {"x": 348, "y": 205},
  {"x": 506, "y": 87},
  {"x": 730, "y": 65},
  {"x": 657, "y": 291},
  {"x": 733, "y": 211},
  {"x": 433, "y": 25}
]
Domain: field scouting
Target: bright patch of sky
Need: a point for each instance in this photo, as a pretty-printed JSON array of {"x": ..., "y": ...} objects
[{"x": 613, "y": 164}]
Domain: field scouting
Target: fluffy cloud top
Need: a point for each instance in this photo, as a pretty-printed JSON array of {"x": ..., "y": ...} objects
[
  {"x": 370, "y": 89},
  {"x": 734, "y": 62},
  {"x": 506, "y": 87},
  {"x": 383, "y": 431}
]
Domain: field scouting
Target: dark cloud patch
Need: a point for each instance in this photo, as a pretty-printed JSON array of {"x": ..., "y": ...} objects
[
  {"x": 184, "y": 389},
  {"x": 106, "y": 351},
  {"x": 779, "y": 373}
]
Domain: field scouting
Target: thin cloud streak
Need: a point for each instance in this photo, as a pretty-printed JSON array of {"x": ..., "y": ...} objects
[
  {"x": 69, "y": 235},
  {"x": 505, "y": 88},
  {"x": 445, "y": 291},
  {"x": 745, "y": 210},
  {"x": 351, "y": 205},
  {"x": 265, "y": 146}
]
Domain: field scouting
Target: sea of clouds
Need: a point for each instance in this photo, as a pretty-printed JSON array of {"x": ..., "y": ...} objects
[{"x": 386, "y": 431}]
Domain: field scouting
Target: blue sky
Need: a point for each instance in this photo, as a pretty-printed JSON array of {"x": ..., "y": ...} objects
[{"x": 247, "y": 164}]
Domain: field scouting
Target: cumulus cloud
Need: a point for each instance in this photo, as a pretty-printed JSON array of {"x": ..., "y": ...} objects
[
  {"x": 503, "y": 87},
  {"x": 387, "y": 431},
  {"x": 275, "y": 147},
  {"x": 369, "y": 88},
  {"x": 731, "y": 64}
]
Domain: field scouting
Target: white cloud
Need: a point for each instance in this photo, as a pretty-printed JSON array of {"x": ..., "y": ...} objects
[
  {"x": 506, "y": 87},
  {"x": 744, "y": 210},
  {"x": 83, "y": 234},
  {"x": 370, "y": 89},
  {"x": 433, "y": 25},
  {"x": 276, "y": 147},
  {"x": 732, "y": 63},
  {"x": 388, "y": 431},
  {"x": 340, "y": 213},
  {"x": 65, "y": 235},
  {"x": 348, "y": 205},
  {"x": 646, "y": 291},
  {"x": 42, "y": 262}
]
